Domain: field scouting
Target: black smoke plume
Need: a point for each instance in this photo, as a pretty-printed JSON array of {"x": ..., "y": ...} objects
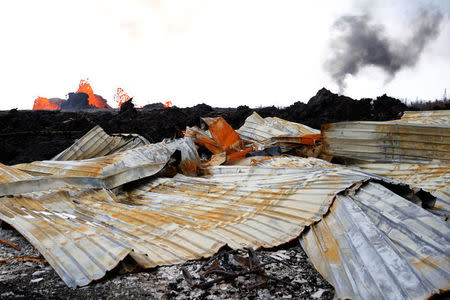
[{"x": 360, "y": 42}]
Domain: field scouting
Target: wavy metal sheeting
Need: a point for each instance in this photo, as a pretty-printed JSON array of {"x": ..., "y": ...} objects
[
  {"x": 103, "y": 172},
  {"x": 97, "y": 143},
  {"x": 433, "y": 117},
  {"x": 387, "y": 142},
  {"x": 377, "y": 245},
  {"x": 258, "y": 129},
  {"x": 171, "y": 220},
  {"x": 10, "y": 174},
  {"x": 431, "y": 177}
]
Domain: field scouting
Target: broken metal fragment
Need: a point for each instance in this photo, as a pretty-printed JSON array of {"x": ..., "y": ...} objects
[{"x": 102, "y": 172}]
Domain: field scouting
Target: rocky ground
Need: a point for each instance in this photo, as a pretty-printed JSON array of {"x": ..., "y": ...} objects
[{"x": 21, "y": 279}]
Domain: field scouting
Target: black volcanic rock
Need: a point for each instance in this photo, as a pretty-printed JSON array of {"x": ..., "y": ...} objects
[
  {"x": 326, "y": 97},
  {"x": 127, "y": 110},
  {"x": 153, "y": 106},
  {"x": 27, "y": 136},
  {"x": 388, "y": 108},
  {"x": 76, "y": 101},
  {"x": 327, "y": 107}
]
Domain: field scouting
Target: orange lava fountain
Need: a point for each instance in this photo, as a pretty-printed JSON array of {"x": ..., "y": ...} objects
[
  {"x": 121, "y": 97},
  {"x": 44, "y": 103},
  {"x": 85, "y": 87}
]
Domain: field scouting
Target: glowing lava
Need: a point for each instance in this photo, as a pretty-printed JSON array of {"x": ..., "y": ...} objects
[
  {"x": 85, "y": 87},
  {"x": 44, "y": 103},
  {"x": 168, "y": 104},
  {"x": 121, "y": 97}
]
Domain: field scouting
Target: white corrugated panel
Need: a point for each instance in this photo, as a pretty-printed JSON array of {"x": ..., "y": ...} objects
[
  {"x": 387, "y": 142},
  {"x": 431, "y": 177},
  {"x": 10, "y": 174},
  {"x": 378, "y": 245},
  {"x": 433, "y": 117},
  {"x": 258, "y": 129},
  {"x": 171, "y": 220},
  {"x": 103, "y": 172},
  {"x": 97, "y": 143}
]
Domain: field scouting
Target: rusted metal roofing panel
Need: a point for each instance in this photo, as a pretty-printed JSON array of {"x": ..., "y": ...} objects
[
  {"x": 377, "y": 245},
  {"x": 10, "y": 174},
  {"x": 433, "y": 117},
  {"x": 258, "y": 129},
  {"x": 103, "y": 172},
  {"x": 431, "y": 177},
  {"x": 387, "y": 142},
  {"x": 171, "y": 220},
  {"x": 97, "y": 143},
  {"x": 49, "y": 221}
]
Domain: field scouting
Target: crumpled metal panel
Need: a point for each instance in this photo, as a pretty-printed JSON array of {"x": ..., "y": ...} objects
[
  {"x": 258, "y": 129},
  {"x": 50, "y": 222},
  {"x": 103, "y": 172},
  {"x": 171, "y": 220},
  {"x": 387, "y": 142},
  {"x": 378, "y": 245},
  {"x": 97, "y": 143},
  {"x": 433, "y": 117},
  {"x": 10, "y": 174},
  {"x": 431, "y": 177}
]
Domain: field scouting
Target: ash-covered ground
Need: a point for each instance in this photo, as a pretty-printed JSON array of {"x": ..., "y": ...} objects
[{"x": 30, "y": 280}]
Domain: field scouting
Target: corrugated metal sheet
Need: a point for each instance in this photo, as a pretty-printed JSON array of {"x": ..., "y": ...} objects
[
  {"x": 10, "y": 174},
  {"x": 377, "y": 245},
  {"x": 97, "y": 143},
  {"x": 171, "y": 220},
  {"x": 433, "y": 117},
  {"x": 387, "y": 142},
  {"x": 258, "y": 129},
  {"x": 103, "y": 172},
  {"x": 431, "y": 177}
]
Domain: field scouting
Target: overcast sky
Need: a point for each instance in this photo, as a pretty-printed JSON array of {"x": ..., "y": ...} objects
[{"x": 223, "y": 53}]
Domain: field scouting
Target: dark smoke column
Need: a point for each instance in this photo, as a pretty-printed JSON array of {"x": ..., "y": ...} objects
[{"x": 359, "y": 43}]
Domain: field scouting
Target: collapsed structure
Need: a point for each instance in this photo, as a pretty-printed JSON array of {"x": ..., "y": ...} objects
[{"x": 375, "y": 225}]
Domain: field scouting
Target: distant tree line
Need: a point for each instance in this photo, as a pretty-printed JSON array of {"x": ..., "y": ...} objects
[{"x": 420, "y": 104}]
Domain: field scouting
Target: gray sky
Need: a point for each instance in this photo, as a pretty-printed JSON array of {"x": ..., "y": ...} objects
[{"x": 223, "y": 53}]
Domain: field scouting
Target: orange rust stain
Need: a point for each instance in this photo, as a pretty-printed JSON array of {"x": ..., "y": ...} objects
[
  {"x": 216, "y": 160},
  {"x": 219, "y": 213},
  {"x": 10, "y": 244},
  {"x": 325, "y": 238},
  {"x": 209, "y": 143},
  {"x": 425, "y": 264},
  {"x": 29, "y": 258},
  {"x": 189, "y": 167},
  {"x": 224, "y": 135},
  {"x": 238, "y": 155},
  {"x": 310, "y": 139},
  {"x": 28, "y": 203}
]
